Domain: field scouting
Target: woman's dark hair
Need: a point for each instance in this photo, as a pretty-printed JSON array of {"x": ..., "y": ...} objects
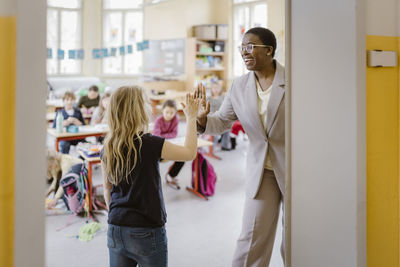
[
  {"x": 169, "y": 103},
  {"x": 266, "y": 36}
]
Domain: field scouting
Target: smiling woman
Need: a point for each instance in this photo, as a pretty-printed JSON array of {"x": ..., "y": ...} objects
[{"x": 257, "y": 101}]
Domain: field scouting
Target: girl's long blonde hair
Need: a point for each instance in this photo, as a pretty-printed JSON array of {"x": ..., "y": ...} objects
[{"x": 128, "y": 119}]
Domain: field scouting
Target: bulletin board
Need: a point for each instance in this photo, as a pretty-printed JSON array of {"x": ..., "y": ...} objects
[{"x": 165, "y": 57}]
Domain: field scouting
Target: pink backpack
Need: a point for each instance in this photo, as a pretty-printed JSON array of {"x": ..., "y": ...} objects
[
  {"x": 207, "y": 176},
  {"x": 75, "y": 185}
]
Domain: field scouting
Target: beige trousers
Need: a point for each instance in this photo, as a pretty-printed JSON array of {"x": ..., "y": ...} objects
[{"x": 260, "y": 216}]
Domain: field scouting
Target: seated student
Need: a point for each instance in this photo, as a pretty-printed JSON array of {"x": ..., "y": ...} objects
[
  {"x": 236, "y": 128},
  {"x": 132, "y": 185},
  {"x": 58, "y": 165},
  {"x": 100, "y": 114},
  {"x": 89, "y": 102},
  {"x": 216, "y": 100},
  {"x": 166, "y": 126},
  {"x": 72, "y": 116}
]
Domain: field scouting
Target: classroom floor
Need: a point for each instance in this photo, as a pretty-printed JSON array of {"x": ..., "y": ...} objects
[{"x": 200, "y": 233}]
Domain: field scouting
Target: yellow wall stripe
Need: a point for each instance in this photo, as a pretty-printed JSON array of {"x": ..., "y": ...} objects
[
  {"x": 7, "y": 133},
  {"x": 382, "y": 159}
]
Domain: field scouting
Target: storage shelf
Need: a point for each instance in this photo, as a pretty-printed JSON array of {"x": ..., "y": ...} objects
[
  {"x": 206, "y": 40},
  {"x": 210, "y": 69},
  {"x": 210, "y": 54}
]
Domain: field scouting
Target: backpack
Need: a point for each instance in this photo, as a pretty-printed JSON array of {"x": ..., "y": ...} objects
[
  {"x": 75, "y": 184},
  {"x": 207, "y": 176}
]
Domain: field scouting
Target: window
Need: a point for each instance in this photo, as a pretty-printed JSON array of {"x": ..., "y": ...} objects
[
  {"x": 63, "y": 35},
  {"x": 122, "y": 27},
  {"x": 247, "y": 14}
]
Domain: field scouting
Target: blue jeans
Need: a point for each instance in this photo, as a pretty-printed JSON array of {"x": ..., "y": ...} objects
[
  {"x": 146, "y": 247},
  {"x": 64, "y": 146}
]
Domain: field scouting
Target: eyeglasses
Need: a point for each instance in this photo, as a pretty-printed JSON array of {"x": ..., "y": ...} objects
[{"x": 249, "y": 47}]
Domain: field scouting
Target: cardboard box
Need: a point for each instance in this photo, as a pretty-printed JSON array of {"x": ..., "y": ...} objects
[
  {"x": 222, "y": 32},
  {"x": 208, "y": 31}
]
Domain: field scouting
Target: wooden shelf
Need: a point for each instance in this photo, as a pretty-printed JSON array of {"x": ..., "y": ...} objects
[
  {"x": 210, "y": 69},
  {"x": 210, "y": 54},
  {"x": 207, "y": 40},
  {"x": 202, "y": 70}
]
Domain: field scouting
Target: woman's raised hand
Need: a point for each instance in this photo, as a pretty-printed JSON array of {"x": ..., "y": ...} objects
[{"x": 204, "y": 109}]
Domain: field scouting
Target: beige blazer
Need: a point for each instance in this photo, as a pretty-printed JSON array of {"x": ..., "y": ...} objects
[{"x": 240, "y": 103}]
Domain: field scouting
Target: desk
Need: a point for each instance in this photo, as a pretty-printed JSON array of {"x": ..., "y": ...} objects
[
  {"x": 91, "y": 161},
  {"x": 170, "y": 94},
  {"x": 84, "y": 131},
  {"x": 211, "y": 150}
]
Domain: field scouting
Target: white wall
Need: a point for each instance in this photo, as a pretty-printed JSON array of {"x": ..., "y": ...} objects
[
  {"x": 328, "y": 133},
  {"x": 276, "y": 23},
  {"x": 382, "y": 17},
  {"x": 175, "y": 18},
  {"x": 92, "y": 22},
  {"x": 221, "y": 11},
  {"x": 30, "y": 135}
]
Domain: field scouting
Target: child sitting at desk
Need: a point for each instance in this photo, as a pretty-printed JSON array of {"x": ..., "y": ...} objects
[
  {"x": 72, "y": 116},
  {"x": 131, "y": 178},
  {"x": 166, "y": 126},
  {"x": 58, "y": 165},
  {"x": 216, "y": 100},
  {"x": 89, "y": 102},
  {"x": 100, "y": 114}
]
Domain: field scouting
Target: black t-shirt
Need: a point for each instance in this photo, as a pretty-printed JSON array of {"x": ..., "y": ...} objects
[
  {"x": 140, "y": 202},
  {"x": 87, "y": 102}
]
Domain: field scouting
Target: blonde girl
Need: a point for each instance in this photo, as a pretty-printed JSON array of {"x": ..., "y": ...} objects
[{"x": 132, "y": 184}]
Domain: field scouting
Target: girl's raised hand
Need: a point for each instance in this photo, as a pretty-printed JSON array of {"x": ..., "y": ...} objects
[{"x": 191, "y": 107}]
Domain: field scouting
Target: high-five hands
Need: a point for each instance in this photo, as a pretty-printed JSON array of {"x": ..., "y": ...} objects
[
  {"x": 191, "y": 107},
  {"x": 204, "y": 109}
]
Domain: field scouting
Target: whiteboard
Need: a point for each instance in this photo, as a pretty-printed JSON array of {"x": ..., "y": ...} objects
[{"x": 165, "y": 57}]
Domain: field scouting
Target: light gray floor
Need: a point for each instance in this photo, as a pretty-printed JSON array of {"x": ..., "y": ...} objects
[{"x": 200, "y": 233}]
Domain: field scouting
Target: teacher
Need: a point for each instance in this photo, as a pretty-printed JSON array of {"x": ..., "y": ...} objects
[{"x": 257, "y": 100}]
